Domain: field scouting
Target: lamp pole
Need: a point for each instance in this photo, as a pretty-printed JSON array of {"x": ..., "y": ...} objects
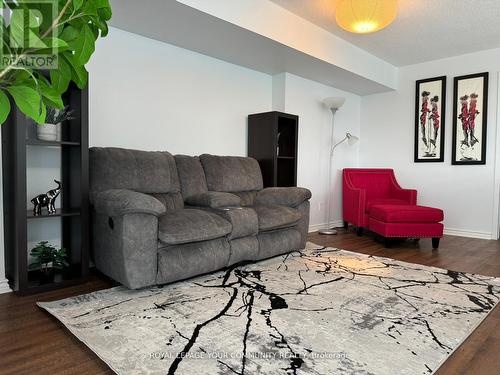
[
  {"x": 328, "y": 230},
  {"x": 334, "y": 104}
]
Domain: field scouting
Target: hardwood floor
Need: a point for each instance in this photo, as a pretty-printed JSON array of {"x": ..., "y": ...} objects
[{"x": 32, "y": 342}]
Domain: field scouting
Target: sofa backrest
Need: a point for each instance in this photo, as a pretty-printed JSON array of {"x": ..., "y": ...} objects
[
  {"x": 150, "y": 172},
  {"x": 376, "y": 182},
  {"x": 191, "y": 175},
  {"x": 232, "y": 174}
]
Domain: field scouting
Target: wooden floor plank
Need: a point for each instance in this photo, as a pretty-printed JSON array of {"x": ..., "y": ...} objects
[{"x": 33, "y": 342}]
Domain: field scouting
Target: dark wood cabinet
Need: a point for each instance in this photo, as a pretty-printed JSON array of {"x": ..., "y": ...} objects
[
  {"x": 24, "y": 172},
  {"x": 272, "y": 140}
]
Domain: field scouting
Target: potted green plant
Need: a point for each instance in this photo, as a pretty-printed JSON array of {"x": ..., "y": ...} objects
[
  {"x": 51, "y": 129},
  {"x": 47, "y": 260}
]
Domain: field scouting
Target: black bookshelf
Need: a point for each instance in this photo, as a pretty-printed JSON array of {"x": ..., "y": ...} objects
[
  {"x": 272, "y": 140},
  {"x": 18, "y": 136}
]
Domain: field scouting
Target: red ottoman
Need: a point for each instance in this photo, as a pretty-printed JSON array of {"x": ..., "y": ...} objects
[{"x": 407, "y": 221}]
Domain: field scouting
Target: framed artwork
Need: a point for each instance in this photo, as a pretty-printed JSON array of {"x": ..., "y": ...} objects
[
  {"x": 470, "y": 111},
  {"x": 430, "y": 108}
]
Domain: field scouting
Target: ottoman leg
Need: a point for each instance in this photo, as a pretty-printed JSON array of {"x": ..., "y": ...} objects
[
  {"x": 359, "y": 231},
  {"x": 435, "y": 242}
]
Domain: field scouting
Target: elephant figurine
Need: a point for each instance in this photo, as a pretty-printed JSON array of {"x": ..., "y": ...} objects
[{"x": 46, "y": 200}]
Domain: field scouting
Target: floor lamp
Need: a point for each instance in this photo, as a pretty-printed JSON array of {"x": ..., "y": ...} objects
[{"x": 334, "y": 104}]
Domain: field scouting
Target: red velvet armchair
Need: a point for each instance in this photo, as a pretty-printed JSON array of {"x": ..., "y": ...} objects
[{"x": 364, "y": 188}]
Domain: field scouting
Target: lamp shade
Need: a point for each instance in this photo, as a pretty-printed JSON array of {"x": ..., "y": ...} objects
[
  {"x": 334, "y": 103},
  {"x": 365, "y": 16},
  {"x": 351, "y": 139}
]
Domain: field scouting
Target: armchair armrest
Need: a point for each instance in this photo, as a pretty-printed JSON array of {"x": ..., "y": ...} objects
[
  {"x": 214, "y": 199},
  {"x": 354, "y": 203},
  {"x": 119, "y": 202},
  {"x": 408, "y": 195},
  {"x": 283, "y": 196}
]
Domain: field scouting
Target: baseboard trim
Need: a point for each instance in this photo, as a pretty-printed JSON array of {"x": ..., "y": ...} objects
[
  {"x": 468, "y": 233},
  {"x": 4, "y": 286},
  {"x": 333, "y": 224},
  {"x": 447, "y": 231}
]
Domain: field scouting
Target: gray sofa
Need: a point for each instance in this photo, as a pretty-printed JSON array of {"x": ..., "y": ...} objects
[{"x": 158, "y": 218}]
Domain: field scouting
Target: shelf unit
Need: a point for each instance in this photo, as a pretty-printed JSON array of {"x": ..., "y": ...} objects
[
  {"x": 272, "y": 140},
  {"x": 71, "y": 220}
]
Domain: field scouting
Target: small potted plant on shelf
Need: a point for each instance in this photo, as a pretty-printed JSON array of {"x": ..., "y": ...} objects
[
  {"x": 47, "y": 260},
  {"x": 51, "y": 129}
]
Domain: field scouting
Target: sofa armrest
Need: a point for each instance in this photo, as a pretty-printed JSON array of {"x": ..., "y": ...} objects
[
  {"x": 408, "y": 195},
  {"x": 119, "y": 202},
  {"x": 214, "y": 199},
  {"x": 283, "y": 196}
]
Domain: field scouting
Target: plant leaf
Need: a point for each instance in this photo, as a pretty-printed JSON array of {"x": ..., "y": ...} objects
[
  {"x": 84, "y": 46},
  {"x": 79, "y": 74},
  {"x": 4, "y": 107},
  {"x": 55, "y": 43},
  {"x": 50, "y": 96},
  {"x": 90, "y": 8},
  {"x": 104, "y": 9},
  {"x": 77, "y": 4},
  {"x": 29, "y": 102},
  {"x": 61, "y": 77}
]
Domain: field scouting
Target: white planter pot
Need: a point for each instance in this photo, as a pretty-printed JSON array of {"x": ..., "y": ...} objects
[
  {"x": 59, "y": 132},
  {"x": 46, "y": 132}
]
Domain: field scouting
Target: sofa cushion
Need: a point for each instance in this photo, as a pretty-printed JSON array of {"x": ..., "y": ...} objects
[
  {"x": 191, "y": 175},
  {"x": 406, "y": 214},
  {"x": 383, "y": 201},
  {"x": 231, "y": 173},
  {"x": 189, "y": 225},
  {"x": 244, "y": 221},
  {"x": 276, "y": 217},
  {"x": 142, "y": 171}
]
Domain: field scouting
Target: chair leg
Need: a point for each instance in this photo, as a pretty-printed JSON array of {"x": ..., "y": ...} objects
[
  {"x": 359, "y": 231},
  {"x": 435, "y": 242},
  {"x": 388, "y": 242},
  {"x": 346, "y": 224}
]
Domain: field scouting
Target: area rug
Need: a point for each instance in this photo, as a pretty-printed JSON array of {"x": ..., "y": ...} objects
[{"x": 317, "y": 311}]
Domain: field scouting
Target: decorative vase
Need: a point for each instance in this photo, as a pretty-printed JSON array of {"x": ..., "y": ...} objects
[{"x": 46, "y": 132}]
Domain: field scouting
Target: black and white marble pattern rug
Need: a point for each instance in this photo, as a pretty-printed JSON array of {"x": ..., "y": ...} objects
[{"x": 317, "y": 311}]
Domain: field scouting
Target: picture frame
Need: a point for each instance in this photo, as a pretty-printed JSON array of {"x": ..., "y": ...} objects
[
  {"x": 470, "y": 119},
  {"x": 430, "y": 116}
]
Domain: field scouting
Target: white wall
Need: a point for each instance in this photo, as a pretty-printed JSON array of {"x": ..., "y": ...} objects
[
  {"x": 467, "y": 194},
  {"x": 150, "y": 95},
  {"x": 304, "y": 98}
]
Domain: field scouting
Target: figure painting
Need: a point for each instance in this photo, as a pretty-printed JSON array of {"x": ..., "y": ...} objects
[
  {"x": 430, "y": 101},
  {"x": 470, "y": 100}
]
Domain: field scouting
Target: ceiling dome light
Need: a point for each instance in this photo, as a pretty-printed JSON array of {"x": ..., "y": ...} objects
[{"x": 365, "y": 16}]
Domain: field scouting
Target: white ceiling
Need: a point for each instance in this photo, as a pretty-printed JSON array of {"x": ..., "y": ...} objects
[{"x": 424, "y": 30}]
